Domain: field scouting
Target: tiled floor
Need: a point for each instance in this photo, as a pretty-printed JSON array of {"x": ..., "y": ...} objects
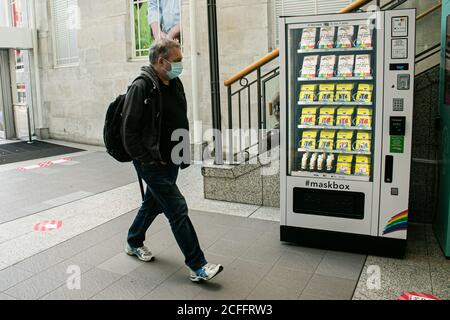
[
  {"x": 244, "y": 238},
  {"x": 85, "y": 175},
  {"x": 257, "y": 265},
  {"x": 424, "y": 269}
]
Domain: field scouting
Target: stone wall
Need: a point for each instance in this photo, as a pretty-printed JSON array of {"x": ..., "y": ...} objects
[
  {"x": 75, "y": 98},
  {"x": 424, "y": 186}
]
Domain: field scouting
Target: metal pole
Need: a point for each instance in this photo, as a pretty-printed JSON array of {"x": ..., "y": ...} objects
[
  {"x": 195, "y": 71},
  {"x": 214, "y": 72},
  {"x": 30, "y": 140}
]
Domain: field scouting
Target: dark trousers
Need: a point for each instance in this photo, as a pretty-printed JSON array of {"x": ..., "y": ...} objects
[{"x": 163, "y": 195}]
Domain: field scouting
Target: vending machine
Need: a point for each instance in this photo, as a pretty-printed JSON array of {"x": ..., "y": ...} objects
[{"x": 346, "y": 93}]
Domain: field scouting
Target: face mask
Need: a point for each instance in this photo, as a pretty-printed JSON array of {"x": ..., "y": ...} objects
[{"x": 176, "y": 69}]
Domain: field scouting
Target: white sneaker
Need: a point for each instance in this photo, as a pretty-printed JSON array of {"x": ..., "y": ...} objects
[
  {"x": 142, "y": 253},
  {"x": 207, "y": 272}
]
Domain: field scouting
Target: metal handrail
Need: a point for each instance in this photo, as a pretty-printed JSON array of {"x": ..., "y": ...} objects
[
  {"x": 241, "y": 74},
  {"x": 429, "y": 11}
]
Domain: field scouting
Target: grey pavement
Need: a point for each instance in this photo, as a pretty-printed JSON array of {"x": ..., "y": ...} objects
[
  {"x": 98, "y": 198},
  {"x": 257, "y": 265},
  {"x": 23, "y": 193}
]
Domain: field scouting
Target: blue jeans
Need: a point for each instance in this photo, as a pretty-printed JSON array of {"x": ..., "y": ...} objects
[{"x": 163, "y": 195}]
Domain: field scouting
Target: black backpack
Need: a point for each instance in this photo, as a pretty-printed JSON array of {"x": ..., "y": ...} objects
[{"x": 111, "y": 130}]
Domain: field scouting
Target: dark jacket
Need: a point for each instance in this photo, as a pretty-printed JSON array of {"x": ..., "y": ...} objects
[{"x": 141, "y": 117}]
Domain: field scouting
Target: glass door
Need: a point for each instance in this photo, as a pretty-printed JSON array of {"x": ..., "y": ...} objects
[
  {"x": 331, "y": 99},
  {"x": 6, "y": 122}
]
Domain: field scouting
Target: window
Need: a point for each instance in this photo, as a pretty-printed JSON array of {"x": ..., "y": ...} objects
[
  {"x": 14, "y": 13},
  {"x": 151, "y": 19},
  {"x": 65, "y": 24},
  {"x": 305, "y": 7}
]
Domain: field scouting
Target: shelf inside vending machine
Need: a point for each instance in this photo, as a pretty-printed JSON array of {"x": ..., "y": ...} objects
[{"x": 332, "y": 99}]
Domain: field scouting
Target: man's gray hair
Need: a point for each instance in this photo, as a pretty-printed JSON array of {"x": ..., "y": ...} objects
[{"x": 161, "y": 48}]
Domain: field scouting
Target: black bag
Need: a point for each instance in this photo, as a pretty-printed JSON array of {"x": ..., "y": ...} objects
[{"x": 111, "y": 130}]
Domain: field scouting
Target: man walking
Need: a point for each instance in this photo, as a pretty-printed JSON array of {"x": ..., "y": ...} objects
[{"x": 154, "y": 108}]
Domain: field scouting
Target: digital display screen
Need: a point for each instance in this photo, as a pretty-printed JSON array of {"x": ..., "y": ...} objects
[{"x": 447, "y": 64}]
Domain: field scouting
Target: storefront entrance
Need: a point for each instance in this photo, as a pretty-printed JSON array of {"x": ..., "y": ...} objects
[{"x": 7, "y": 130}]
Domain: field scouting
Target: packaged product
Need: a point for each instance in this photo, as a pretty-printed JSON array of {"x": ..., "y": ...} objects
[
  {"x": 344, "y": 140},
  {"x": 326, "y": 37},
  {"x": 344, "y": 164},
  {"x": 309, "y": 66},
  {"x": 321, "y": 162},
  {"x": 313, "y": 162},
  {"x": 330, "y": 162},
  {"x": 345, "y": 37},
  {"x": 364, "y": 93},
  {"x": 363, "y": 141},
  {"x": 326, "y": 141},
  {"x": 364, "y": 117},
  {"x": 344, "y": 116},
  {"x": 326, "y": 92},
  {"x": 364, "y": 38},
  {"x": 327, "y": 64},
  {"x": 308, "y": 40},
  {"x": 309, "y": 139},
  {"x": 307, "y": 93},
  {"x": 326, "y": 116},
  {"x": 362, "y": 166},
  {"x": 345, "y": 65},
  {"x": 362, "y": 65},
  {"x": 344, "y": 92},
  {"x": 305, "y": 159},
  {"x": 308, "y": 116}
]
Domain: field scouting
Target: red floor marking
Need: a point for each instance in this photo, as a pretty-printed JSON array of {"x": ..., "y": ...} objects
[
  {"x": 417, "y": 296},
  {"x": 48, "y": 225},
  {"x": 44, "y": 164}
]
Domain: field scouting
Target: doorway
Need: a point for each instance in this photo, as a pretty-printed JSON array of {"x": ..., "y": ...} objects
[{"x": 7, "y": 130}]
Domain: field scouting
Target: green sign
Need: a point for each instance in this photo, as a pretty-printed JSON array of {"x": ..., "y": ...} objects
[{"x": 397, "y": 144}]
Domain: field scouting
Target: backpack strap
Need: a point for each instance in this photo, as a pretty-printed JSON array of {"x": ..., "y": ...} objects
[{"x": 152, "y": 88}]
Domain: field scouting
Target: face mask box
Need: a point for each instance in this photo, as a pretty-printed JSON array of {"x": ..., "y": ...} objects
[
  {"x": 307, "y": 93},
  {"x": 344, "y": 164},
  {"x": 344, "y": 140},
  {"x": 309, "y": 139},
  {"x": 326, "y": 37},
  {"x": 308, "y": 116},
  {"x": 326, "y": 117},
  {"x": 308, "y": 40},
  {"x": 344, "y": 117},
  {"x": 344, "y": 92},
  {"x": 345, "y": 37},
  {"x": 363, "y": 141},
  {"x": 327, "y": 64},
  {"x": 363, "y": 118},
  {"x": 326, "y": 92},
  {"x": 326, "y": 141},
  {"x": 362, "y": 166},
  {"x": 364, "y": 93},
  {"x": 345, "y": 66},
  {"x": 364, "y": 39},
  {"x": 309, "y": 66},
  {"x": 362, "y": 65}
]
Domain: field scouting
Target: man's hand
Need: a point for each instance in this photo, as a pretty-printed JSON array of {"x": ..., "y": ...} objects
[{"x": 174, "y": 33}]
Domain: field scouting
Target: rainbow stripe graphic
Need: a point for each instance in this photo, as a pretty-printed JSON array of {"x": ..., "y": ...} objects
[{"x": 397, "y": 223}]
